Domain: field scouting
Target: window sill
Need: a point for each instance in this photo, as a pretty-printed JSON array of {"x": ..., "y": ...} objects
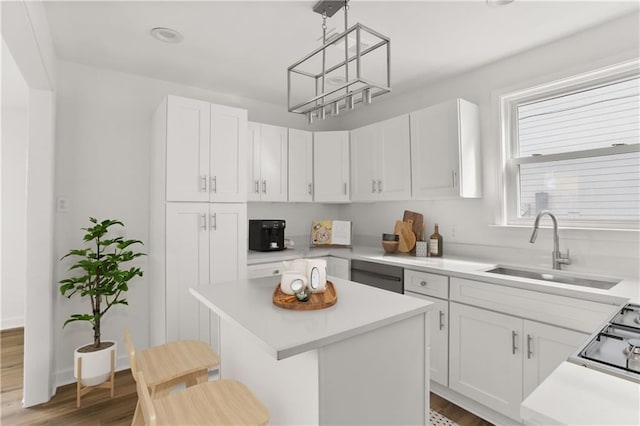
[{"x": 567, "y": 228}]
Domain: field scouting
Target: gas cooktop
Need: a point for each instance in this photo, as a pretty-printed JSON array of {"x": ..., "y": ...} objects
[{"x": 615, "y": 349}]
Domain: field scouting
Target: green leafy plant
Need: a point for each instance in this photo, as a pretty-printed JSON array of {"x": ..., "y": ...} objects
[{"x": 104, "y": 279}]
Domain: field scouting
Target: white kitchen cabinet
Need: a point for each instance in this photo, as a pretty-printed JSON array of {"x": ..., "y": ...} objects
[
  {"x": 205, "y": 244},
  {"x": 445, "y": 151},
  {"x": 485, "y": 361},
  {"x": 498, "y": 359},
  {"x": 267, "y": 168},
  {"x": 261, "y": 270},
  {"x": 300, "y": 166},
  {"x": 331, "y": 167},
  {"x": 204, "y": 144},
  {"x": 439, "y": 338},
  {"x": 338, "y": 267},
  {"x": 192, "y": 141},
  {"x": 381, "y": 161},
  {"x": 545, "y": 348}
]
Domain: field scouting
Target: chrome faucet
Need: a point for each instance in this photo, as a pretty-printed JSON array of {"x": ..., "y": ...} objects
[{"x": 557, "y": 258}]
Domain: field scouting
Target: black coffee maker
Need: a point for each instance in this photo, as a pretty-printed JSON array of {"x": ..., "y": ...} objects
[{"x": 266, "y": 235}]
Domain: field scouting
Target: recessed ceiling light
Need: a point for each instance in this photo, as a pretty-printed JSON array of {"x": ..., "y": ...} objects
[
  {"x": 167, "y": 35},
  {"x": 499, "y": 2}
]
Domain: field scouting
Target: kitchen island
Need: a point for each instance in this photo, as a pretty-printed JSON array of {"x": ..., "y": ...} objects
[{"x": 361, "y": 361}]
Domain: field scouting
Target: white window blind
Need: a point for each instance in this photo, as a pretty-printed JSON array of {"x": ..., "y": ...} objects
[{"x": 575, "y": 150}]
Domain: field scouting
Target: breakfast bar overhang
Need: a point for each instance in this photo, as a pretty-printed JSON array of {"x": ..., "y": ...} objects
[{"x": 362, "y": 361}]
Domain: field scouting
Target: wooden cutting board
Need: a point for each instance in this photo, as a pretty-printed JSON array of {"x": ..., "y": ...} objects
[
  {"x": 407, "y": 238},
  {"x": 418, "y": 221}
]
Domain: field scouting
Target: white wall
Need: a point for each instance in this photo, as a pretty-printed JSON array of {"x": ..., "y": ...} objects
[
  {"x": 13, "y": 191},
  {"x": 467, "y": 224},
  {"x": 102, "y": 169}
]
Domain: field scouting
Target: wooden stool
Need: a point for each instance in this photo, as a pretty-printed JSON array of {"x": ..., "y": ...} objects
[
  {"x": 169, "y": 365},
  {"x": 221, "y": 402}
]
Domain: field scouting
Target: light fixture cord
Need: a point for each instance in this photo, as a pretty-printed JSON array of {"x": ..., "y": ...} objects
[
  {"x": 346, "y": 44},
  {"x": 324, "y": 40}
]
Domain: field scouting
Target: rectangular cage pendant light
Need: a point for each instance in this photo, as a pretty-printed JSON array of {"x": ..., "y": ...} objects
[{"x": 350, "y": 68}]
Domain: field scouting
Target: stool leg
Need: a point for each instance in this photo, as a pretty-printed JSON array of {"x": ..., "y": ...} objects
[{"x": 138, "y": 418}]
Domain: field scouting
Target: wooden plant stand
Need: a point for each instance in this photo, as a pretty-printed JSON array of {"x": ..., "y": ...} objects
[{"x": 83, "y": 390}]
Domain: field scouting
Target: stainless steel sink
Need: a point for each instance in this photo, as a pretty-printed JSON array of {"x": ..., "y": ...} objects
[{"x": 554, "y": 276}]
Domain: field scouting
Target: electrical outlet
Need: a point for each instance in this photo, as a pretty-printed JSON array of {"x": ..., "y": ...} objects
[{"x": 62, "y": 205}]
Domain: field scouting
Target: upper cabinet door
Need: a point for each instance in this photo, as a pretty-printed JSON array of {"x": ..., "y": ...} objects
[
  {"x": 445, "y": 151},
  {"x": 331, "y": 166},
  {"x": 267, "y": 163},
  {"x": 188, "y": 124},
  {"x": 394, "y": 159},
  {"x": 228, "y": 150},
  {"x": 253, "y": 162},
  {"x": 365, "y": 146},
  {"x": 273, "y": 163},
  {"x": 300, "y": 165}
]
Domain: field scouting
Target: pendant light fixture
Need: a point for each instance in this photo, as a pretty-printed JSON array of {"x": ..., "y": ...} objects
[{"x": 350, "y": 68}]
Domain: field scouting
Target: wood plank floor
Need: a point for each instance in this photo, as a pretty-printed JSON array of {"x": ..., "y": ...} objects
[{"x": 97, "y": 408}]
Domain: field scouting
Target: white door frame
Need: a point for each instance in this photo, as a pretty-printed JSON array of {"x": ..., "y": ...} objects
[{"x": 26, "y": 33}]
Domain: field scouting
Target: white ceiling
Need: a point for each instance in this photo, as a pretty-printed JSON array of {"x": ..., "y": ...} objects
[{"x": 244, "y": 48}]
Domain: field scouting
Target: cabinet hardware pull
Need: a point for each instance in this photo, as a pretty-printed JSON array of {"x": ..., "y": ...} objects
[
  {"x": 513, "y": 342},
  {"x": 441, "y": 320},
  {"x": 214, "y": 185},
  {"x": 453, "y": 178},
  {"x": 257, "y": 186},
  {"x": 264, "y": 186},
  {"x": 379, "y": 185},
  {"x": 423, "y": 283},
  {"x": 204, "y": 221},
  {"x": 345, "y": 188},
  {"x": 203, "y": 183},
  {"x": 310, "y": 189},
  {"x": 373, "y": 185},
  {"x": 529, "y": 352},
  {"x": 276, "y": 271},
  {"x": 214, "y": 222}
]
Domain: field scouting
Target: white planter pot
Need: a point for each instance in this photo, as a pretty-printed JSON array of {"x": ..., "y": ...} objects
[{"x": 96, "y": 366}]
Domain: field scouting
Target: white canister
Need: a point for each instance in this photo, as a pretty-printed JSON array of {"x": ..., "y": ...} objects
[
  {"x": 317, "y": 275},
  {"x": 297, "y": 265},
  {"x": 290, "y": 277}
]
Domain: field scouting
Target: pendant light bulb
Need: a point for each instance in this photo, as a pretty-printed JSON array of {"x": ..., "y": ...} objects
[
  {"x": 335, "y": 109},
  {"x": 350, "y": 103},
  {"x": 366, "y": 96}
]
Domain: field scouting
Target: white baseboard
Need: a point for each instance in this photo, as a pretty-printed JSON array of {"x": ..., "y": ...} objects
[{"x": 8, "y": 323}]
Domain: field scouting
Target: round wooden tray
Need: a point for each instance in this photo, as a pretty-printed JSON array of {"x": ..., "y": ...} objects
[{"x": 316, "y": 300}]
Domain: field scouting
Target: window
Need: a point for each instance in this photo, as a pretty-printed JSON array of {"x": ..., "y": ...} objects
[{"x": 573, "y": 147}]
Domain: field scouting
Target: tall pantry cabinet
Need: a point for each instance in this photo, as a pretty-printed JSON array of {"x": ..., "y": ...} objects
[{"x": 198, "y": 213}]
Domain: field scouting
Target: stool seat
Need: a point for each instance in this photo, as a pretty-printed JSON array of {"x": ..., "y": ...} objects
[
  {"x": 223, "y": 402},
  {"x": 175, "y": 361}
]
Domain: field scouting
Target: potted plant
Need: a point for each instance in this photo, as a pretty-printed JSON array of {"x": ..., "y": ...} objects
[{"x": 104, "y": 280}]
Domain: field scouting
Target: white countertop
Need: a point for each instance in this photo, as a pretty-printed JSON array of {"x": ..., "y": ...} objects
[
  {"x": 575, "y": 395},
  {"x": 628, "y": 290},
  {"x": 285, "y": 333}
]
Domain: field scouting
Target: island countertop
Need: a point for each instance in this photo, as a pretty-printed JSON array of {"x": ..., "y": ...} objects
[{"x": 285, "y": 333}]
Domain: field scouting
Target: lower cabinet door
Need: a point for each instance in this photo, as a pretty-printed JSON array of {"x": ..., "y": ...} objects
[
  {"x": 485, "y": 362},
  {"x": 187, "y": 265},
  {"x": 545, "y": 348},
  {"x": 438, "y": 338}
]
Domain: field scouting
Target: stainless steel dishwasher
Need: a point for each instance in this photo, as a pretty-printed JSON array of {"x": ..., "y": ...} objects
[{"x": 387, "y": 277}]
